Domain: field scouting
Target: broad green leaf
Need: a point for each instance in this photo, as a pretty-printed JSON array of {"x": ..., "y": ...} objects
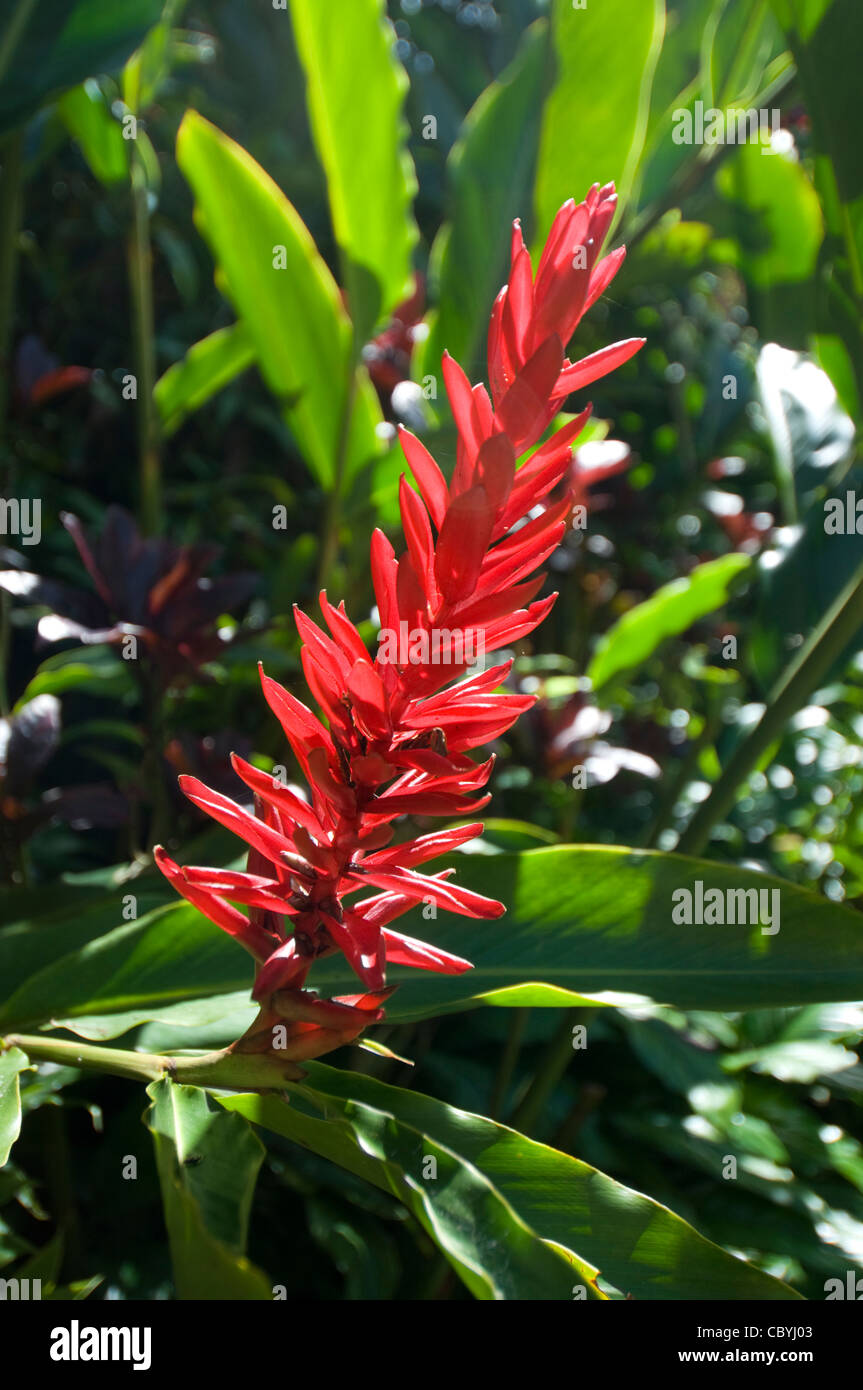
[
  {"x": 584, "y": 925},
  {"x": 489, "y": 173},
  {"x": 285, "y": 296},
  {"x": 493, "y": 1250},
  {"x": 45, "y": 931},
  {"x": 170, "y": 955},
  {"x": 599, "y": 921},
  {"x": 210, "y": 1021},
  {"x": 59, "y": 43},
  {"x": 208, "y": 1165},
  {"x": 206, "y": 368},
  {"x": 12, "y": 1062},
  {"x": 85, "y": 114},
  {"x": 355, "y": 90},
  {"x": 383, "y": 1133},
  {"x": 595, "y": 119},
  {"x": 500, "y": 834},
  {"x": 668, "y": 612}
]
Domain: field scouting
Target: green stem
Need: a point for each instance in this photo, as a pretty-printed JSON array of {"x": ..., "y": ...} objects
[
  {"x": 552, "y": 1066},
  {"x": 508, "y": 1060},
  {"x": 803, "y": 675},
  {"x": 141, "y": 292},
  {"x": 224, "y": 1070},
  {"x": 330, "y": 540},
  {"x": 11, "y": 204},
  {"x": 673, "y": 785},
  {"x": 14, "y": 30}
]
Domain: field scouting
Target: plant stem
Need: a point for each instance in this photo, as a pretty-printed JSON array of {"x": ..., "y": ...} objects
[
  {"x": 508, "y": 1060},
  {"x": 330, "y": 539},
  {"x": 13, "y": 32},
  {"x": 141, "y": 292},
  {"x": 11, "y": 202},
  {"x": 553, "y": 1064},
  {"x": 674, "y": 784},
  {"x": 224, "y": 1070},
  {"x": 804, "y": 673}
]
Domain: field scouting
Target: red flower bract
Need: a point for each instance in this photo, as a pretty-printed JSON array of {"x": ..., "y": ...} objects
[{"x": 322, "y": 876}]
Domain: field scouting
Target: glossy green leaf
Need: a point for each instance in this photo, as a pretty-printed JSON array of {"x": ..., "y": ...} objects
[
  {"x": 668, "y": 612},
  {"x": 384, "y": 1133},
  {"x": 206, "y": 368},
  {"x": 347, "y": 50},
  {"x": 489, "y": 172},
  {"x": 87, "y": 118},
  {"x": 208, "y": 1165},
  {"x": 285, "y": 296},
  {"x": 598, "y": 920},
  {"x": 595, "y": 119},
  {"x": 59, "y": 43},
  {"x": 43, "y": 929},
  {"x": 170, "y": 955},
  {"x": 492, "y": 1248},
  {"x": 12, "y": 1062},
  {"x": 584, "y": 924}
]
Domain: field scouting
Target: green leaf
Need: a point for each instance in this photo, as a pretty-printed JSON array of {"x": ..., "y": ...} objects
[
  {"x": 802, "y": 575},
  {"x": 12, "y": 1062},
  {"x": 779, "y": 223},
  {"x": 41, "y": 929},
  {"x": 99, "y": 667},
  {"x": 384, "y": 1134},
  {"x": 812, "y": 437},
  {"x": 148, "y": 67},
  {"x": 584, "y": 925},
  {"x": 285, "y": 296},
  {"x": 595, "y": 119},
  {"x": 206, "y": 368},
  {"x": 62, "y": 42},
  {"x": 85, "y": 114},
  {"x": 370, "y": 175},
  {"x": 598, "y": 921},
  {"x": 170, "y": 955},
  {"x": 826, "y": 38},
  {"x": 494, "y": 1251},
  {"x": 208, "y": 1165},
  {"x": 778, "y": 231},
  {"x": 668, "y": 612},
  {"x": 489, "y": 171}
]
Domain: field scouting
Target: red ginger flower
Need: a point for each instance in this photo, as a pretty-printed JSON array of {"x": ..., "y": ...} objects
[{"x": 398, "y": 731}]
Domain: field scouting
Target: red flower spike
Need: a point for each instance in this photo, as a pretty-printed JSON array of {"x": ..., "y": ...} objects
[{"x": 399, "y": 725}]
